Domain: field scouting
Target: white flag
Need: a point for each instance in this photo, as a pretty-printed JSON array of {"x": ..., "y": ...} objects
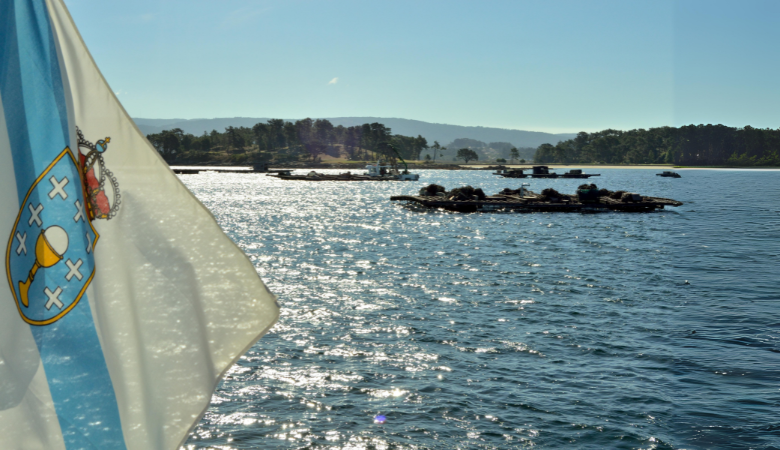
[{"x": 125, "y": 302}]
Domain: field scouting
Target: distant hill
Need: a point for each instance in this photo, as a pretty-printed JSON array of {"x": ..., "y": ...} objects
[{"x": 442, "y": 133}]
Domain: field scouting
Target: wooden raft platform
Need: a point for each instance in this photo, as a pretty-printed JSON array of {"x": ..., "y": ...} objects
[
  {"x": 512, "y": 203},
  {"x": 542, "y": 172},
  {"x": 328, "y": 177}
]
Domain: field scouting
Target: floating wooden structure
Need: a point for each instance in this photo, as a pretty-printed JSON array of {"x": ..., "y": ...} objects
[
  {"x": 376, "y": 172},
  {"x": 316, "y": 176},
  {"x": 220, "y": 170},
  {"x": 589, "y": 199},
  {"x": 256, "y": 168},
  {"x": 496, "y": 168},
  {"x": 542, "y": 172},
  {"x": 669, "y": 174}
]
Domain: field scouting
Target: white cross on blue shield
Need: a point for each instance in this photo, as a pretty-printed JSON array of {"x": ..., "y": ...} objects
[{"x": 50, "y": 277}]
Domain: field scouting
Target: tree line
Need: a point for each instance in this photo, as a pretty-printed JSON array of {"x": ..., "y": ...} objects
[
  {"x": 282, "y": 141},
  {"x": 499, "y": 152},
  {"x": 691, "y": 145}
]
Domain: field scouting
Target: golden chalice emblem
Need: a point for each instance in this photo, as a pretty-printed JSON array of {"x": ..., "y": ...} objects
[{"x": 52, "y": 243}]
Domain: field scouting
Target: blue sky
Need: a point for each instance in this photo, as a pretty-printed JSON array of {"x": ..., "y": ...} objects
[{"x": 552, "y": 65}]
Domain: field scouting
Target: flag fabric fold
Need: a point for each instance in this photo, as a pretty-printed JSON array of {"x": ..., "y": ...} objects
[{"x": 124, "y": 302}]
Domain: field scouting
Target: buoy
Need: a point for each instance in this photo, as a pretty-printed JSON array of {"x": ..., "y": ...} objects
[{"x": 380, "y": 419}]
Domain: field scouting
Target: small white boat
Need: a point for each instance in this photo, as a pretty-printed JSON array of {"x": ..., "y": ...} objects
[{"x": 389, "y": 171}]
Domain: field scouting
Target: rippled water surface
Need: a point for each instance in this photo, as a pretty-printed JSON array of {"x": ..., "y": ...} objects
[{"x": 552, "y": 330}]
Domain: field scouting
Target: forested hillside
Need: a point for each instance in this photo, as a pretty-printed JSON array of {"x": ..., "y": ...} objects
[
  {"x": 431, "y": 131},
  {"x": 692, "y": 145},
  {"x": 281, "y": 141}
]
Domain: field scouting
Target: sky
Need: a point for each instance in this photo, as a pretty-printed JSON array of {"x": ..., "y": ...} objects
[{"x": 548, "y": 65}]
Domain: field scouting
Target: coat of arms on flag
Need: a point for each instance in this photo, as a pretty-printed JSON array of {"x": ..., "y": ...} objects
[{"x": 49, "y": 259}]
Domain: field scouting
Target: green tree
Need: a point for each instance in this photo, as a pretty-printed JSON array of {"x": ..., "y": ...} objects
[
  {"x": 204, "y": 143},
  {"x": 420, "y": 144},
  {"x": 291, "y": 136},
  {"x": 352, "y": 141},
  {"x": 436, "y": 148},
  {"x": 187, "y": 142},
  {"x": 514, "y": 154},
  {"x": 260, "y": 132},
  {"x": 235, "y": 139},
  {"x": 380, "y": 137},
  {"x": 467, "y": 154},
  {"x": 215, "y": 138},
  {"x": 167, "y": 143},
  {"x": 366, "y": 138},
  {"x": 544, "y": 154},
  {"x": 276, "y": 137},
  {"x": 339, "y": 134},
  {"x": 324, "y": 130}
]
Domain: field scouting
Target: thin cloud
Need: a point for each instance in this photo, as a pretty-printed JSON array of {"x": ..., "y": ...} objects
[
  {"x": 242, "y": 16},
  {"x": 334, "y": 81}
]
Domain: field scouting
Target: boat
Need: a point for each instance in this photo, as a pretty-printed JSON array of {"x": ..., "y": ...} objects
[
  {"x": 405, "y": 175},
  {"x": 380, "y": 171},
  {"x": 668, "y": 174}
]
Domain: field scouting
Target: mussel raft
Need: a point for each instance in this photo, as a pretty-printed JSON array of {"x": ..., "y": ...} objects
[{"x": 589, "y": 198}]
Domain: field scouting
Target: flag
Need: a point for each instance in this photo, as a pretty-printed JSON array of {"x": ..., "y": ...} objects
[{"x": 123, "y": 302}]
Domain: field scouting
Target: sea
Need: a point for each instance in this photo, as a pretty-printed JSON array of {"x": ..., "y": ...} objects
[{"x": 404, "y": 328}]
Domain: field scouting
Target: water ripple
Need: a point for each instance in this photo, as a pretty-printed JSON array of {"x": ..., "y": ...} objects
[{"x": 504, "y": 330}]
